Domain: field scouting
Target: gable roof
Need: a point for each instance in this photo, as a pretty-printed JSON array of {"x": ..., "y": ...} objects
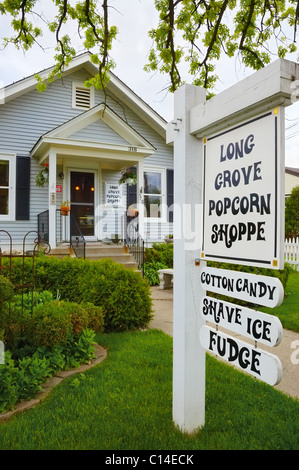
[
  {"x": 115, "y": 85},
  {"x": 292, "y": 171}
]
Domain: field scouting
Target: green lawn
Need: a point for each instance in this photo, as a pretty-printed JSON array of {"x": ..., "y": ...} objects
[
  {"x": 288, "y": 311},
  {"x": 125, "y": 403}
]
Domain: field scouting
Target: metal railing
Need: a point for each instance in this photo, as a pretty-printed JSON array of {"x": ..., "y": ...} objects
[
  {"x": 77, "y": 240},
  {"x": 133, "y": 239},
  {"x": 43, "y": 226},
  {"x": 24, "y": 273}
]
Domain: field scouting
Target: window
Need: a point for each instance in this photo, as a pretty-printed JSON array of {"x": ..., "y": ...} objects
[
  {"x": 154, "y": 193},
  {"x": 83, "y": 98},
  {"x": 7, "y": 187}
]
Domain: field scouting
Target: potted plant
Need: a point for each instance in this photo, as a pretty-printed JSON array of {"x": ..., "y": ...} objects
[
  {"x": 128, "y": 177},
  {"x": 42, "y": 176},
  {"x": 168, "y": 238},
  {"x": 65, "y": 207}
]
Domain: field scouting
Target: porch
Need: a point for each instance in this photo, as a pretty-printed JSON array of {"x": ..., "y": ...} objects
[
  {"x": 126, "y": 248},
  {"x": 85, "y": 171}
]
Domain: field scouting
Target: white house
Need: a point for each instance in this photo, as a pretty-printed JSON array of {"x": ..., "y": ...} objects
[
  {"x": 84, "y": 138},
  {"x": 291, "y": 179}
]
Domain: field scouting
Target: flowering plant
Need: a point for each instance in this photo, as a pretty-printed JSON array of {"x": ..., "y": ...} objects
[{"x": 128, "y": 177}]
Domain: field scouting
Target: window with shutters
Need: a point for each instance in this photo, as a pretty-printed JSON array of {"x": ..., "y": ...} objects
[
  {"x": 83, "y": 98},
  {"x": 7, "y": 186}
]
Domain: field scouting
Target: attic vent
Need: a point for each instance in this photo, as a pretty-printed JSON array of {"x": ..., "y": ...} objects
[{"x": 82, "y": 97}]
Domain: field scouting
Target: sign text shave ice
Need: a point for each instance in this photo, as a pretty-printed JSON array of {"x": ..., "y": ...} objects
[{"x": 258, "y": 326}]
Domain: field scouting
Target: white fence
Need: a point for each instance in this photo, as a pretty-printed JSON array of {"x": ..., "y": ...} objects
[{"x": 291, "y": 252}]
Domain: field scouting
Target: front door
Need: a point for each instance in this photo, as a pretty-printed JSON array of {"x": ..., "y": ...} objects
[{"x": 82, "y": 201}]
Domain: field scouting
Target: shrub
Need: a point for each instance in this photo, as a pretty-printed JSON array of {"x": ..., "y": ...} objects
[
  {"x": 49, "y": 325},
  {"x": 28, "y": 300},
  {"x": 160, "y": 256},
  {"x": 54, "y": 323},
  {"x": 121, "y": 293},
  {"x": 21, "y": 379},
  {"x": 292, "y": 214},
  {"x": 13, "y": 324},
  {"x": 80, "y": 348},
  {"x": 6, "y": 290},
  {"x": 160, "y": 253},
  {"x": 151, "y": 272}
]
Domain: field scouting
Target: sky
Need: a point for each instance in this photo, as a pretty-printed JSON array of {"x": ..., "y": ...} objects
[{"x": 134, "y": 18}]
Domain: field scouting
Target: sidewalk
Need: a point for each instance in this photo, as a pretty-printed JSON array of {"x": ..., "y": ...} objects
[{"x": 163, "y": 320}]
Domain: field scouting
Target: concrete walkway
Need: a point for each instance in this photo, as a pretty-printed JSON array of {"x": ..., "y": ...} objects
[{"x": 163, "y": 320}]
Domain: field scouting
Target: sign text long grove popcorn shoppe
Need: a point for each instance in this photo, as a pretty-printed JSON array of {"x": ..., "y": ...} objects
[{"x": 242, "y": 194}]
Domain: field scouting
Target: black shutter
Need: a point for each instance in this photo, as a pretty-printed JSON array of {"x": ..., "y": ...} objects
[
  {"x": 170, "y": 198},
  {"x": 22, "y": 188},
  {"x": 132, "y": 192}
]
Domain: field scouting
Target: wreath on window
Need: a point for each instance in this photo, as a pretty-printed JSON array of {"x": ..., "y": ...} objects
[
  {"x": 128, "y": 177},
  {"x": 42, "y": 176}
]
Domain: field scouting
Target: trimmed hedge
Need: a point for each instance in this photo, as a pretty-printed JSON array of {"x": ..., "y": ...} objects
[{"x": 123, "y": 295}]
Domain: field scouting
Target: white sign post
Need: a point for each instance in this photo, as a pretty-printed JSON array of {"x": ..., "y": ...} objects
[
  {"x": 188, "y": 354},
  {"x": 233, "y": 146}
]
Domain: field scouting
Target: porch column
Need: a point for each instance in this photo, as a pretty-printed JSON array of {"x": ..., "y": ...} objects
[
  {"x": 52, "y": 199},
  {"x": 140, "y": 196}
]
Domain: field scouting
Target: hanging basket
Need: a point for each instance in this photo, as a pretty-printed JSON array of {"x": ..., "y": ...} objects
[{"x": 128, "y": 177}]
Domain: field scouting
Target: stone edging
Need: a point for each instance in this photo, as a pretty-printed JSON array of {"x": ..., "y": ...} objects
[{"x": 101, "y": 354}]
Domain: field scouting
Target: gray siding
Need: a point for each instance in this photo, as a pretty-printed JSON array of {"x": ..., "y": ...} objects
[{"x": 99, "y": 132}]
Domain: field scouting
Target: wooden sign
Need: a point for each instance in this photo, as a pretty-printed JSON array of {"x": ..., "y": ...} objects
[
  {"x": 243, "y": 200},
  {"x": 258, "y": 326},
  {"x": 261, "y": 290},
  {"x": 255, "y": 361}
]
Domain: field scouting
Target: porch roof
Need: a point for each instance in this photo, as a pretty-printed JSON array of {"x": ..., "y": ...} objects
[{"x": 64, "y": 142}]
